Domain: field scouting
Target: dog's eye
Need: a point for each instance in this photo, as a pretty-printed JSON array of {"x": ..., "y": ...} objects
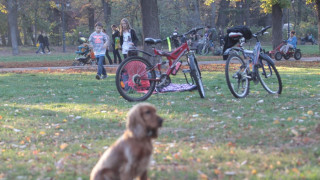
[{"x": 148, "y": 112}]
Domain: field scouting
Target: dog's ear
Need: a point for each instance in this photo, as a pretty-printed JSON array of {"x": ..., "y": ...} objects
[{"x": 135, "y": 122}]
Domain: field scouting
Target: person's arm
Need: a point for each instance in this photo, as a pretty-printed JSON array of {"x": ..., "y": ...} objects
[
  {"x": 134, "y": 37},
  {"x": 106, "y": 44}
]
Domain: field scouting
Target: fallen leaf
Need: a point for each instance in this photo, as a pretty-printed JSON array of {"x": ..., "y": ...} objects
[
  {"x": 63, "y": 146},
  {"x": 254, "y": 171},
  {"x": 42, "y": 133},
  {"x": 0, "y": 117},
  {"x": 289, "y": 119},
  {"x": 310, "y": 112}
]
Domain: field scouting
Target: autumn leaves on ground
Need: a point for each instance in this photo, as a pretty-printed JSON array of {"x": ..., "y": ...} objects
[{"x": 56, "y": 124}]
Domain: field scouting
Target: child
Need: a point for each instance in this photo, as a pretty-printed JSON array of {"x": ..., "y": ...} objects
[
  {"x": 99, "y": 42},
  {"x": 291, "y": 43},
  {"x": 116, "y": 43},
  {"x": 128, "y": 37}
]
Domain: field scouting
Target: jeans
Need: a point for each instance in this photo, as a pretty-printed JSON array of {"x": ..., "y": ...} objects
[
  {"x": 40, "y": 47},
  {"x": 101, "y": 69}
]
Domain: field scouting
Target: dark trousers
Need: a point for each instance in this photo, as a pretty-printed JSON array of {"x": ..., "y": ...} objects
[
  {"x": 47, "y": 47},
  {"x": 125, "y": 56},
  {"x": 109, "y": 58},
  {"x": 115, "y": 55}
]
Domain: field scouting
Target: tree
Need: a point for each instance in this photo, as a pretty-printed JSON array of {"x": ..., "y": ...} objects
[
  {"x": 275, "y": 7},
  {"x": 13, "y": 24},
  {"x": 150, "y": 20},
  {"x": 316, "y": 4},
  {"x": 106, "y": 12}
]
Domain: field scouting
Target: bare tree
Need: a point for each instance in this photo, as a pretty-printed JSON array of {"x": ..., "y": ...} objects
[
  {"x": 13, "y": 24},
  {"x": 150, "y": 20},
  {"x": 106, "y": 12},
  {"x": 276, "y": 25}
]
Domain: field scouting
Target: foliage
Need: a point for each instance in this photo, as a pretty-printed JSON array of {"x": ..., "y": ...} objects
[
  {"x": 3, "y": 9},
  {"x": 267, "y": 4}
]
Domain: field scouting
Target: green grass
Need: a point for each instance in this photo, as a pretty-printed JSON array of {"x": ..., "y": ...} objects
[{"x": 216, "y": 137}]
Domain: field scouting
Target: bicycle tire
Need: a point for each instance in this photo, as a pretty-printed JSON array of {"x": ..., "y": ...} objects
[
  {"x": 135, "y": 79},
  {"x": 297, "y": 55},
  {"x": 196, "y": 75},
  {"x": 240, "y": 76},
  {"x": 278, "y": 56},
  {"x": 266, "y": 71}
]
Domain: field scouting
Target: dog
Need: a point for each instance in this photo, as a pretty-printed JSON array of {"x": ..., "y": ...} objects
[{"x": 129, "y": 156}]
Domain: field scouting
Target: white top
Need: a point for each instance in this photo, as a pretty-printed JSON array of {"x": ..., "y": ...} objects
[{"x": 126, "y": 40}]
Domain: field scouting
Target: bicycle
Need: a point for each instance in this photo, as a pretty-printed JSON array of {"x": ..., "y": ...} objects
[
  {"x": 137, "y": 78},
  {"x": 238, "y": 73}
]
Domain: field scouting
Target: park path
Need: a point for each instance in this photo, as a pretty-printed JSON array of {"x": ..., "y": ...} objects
[{"x": 304, "y": 59}]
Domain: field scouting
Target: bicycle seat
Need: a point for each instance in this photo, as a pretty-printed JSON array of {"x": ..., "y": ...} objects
[
  {"x": 235, "y": 34},
  {"x": 152, "y": 41}
]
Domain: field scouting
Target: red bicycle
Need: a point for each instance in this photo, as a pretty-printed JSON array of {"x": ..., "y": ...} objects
[{"x": 137, "y": 78}]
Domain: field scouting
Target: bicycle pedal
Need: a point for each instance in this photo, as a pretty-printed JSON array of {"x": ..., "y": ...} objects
[{"x": 186, "y": 71}]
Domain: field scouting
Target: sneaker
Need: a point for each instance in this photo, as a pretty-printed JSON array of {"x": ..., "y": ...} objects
[
  {"x": 98, "y": 77},
  {"x": 104, "y": 76},
  {"x": 41, "y": 52},
  {"x": 49, "y": 52}
]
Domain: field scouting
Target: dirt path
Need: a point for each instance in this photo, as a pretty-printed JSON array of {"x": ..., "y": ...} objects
[{"x": 65, "y": 65}]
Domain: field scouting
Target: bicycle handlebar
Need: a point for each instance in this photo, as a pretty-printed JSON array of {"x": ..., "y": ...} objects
[
  {"x": 192, "y": 31},
  {"x": 262, "y": 30}
]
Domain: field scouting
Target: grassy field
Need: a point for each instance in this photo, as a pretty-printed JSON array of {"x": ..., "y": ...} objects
[
  {"x": 27, "y": 54},
  {"x": 57, "y": 124}
]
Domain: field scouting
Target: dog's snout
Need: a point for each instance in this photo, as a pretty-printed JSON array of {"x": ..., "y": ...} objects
[{"x": 160, "y": 120}]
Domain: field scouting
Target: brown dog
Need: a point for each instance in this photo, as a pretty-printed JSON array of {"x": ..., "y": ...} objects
[{"x": 130, "y": 155}]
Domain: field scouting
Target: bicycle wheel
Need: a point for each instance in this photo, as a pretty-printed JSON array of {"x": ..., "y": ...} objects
[
  {"x": 269, "y": 77},
  {"x": 196, "y": 75},
  {"x": 237, "y": 76},
  {"x": 135, "y": 79}
]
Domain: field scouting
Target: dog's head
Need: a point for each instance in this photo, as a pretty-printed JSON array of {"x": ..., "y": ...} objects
[{"x": 143, "y": 121}]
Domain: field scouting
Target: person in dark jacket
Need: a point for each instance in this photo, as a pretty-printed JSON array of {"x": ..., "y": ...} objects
[
  {"x": 40, "y": 40},
  {"x": 46, "y": 43},
  {"x": 128, "y": 37},
  {"x": 116, "y": 43}
]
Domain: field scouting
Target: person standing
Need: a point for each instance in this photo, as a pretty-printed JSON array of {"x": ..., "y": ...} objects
[
  {"x": 46, "y": 43},
  {"x": 175, "y": 38},
  {"x": 99, "y": 43},
  {"x": 107, "y": 51},
  {"x": 209, "y": 36},
  {"x": 40, "y": 40},
  {"x": 116, "y": 43},
  {"x": 128, "y": 37}
]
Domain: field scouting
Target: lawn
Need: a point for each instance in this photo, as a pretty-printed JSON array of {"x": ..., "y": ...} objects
[
  {"x": 27, "y": 54},
  {"x": 56, "y": 124}
]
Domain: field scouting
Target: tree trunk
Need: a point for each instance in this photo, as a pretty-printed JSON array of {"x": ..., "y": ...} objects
[
  {"x": 276, "y": 25},
  {"x": 150, "y": 21},
  {"x": 318, "y": 10},
  {"x": 13, "y": 24},
  {"x": 3, "y": 39},
  {"x": 91, "y": 16},
  {"x": 107, "y": 13},
  {"x": 223, "y": 14},
  {"x": 299, "y": 12},
  {"x": 213, "y": 14}
]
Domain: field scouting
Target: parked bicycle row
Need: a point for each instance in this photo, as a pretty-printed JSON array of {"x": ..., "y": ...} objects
[{"x": 137, "y": 78}]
